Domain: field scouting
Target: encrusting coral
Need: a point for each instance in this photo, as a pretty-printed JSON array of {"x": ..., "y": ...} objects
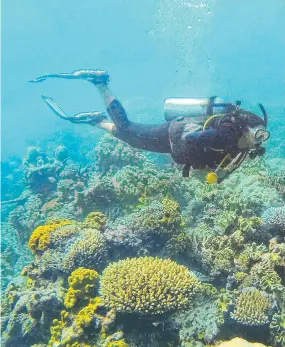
[
  {"x": 82, "y": 285},
  {"x": 148, "y": 285},
  {"x": 41, "y": 239}
]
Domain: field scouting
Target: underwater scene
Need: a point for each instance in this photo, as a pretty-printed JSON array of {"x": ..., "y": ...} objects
[{"x": 143, "y": 173}]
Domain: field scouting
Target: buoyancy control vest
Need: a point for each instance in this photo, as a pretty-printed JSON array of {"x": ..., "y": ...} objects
[{"x": 193, "y": 115}]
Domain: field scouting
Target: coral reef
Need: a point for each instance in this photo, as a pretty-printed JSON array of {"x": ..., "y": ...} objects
[{"x": 126, "y": 252}]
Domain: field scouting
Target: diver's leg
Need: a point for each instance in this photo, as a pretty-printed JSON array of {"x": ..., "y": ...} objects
[
  {"x": 143, "y": 136},
  {"x": 115, "y": 109}
]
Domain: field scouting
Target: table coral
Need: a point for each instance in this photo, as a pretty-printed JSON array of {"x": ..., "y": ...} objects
[{"x": 148, "y": 285}]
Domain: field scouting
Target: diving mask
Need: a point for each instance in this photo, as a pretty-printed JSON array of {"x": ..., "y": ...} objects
[{"x": 261, "y": 135}]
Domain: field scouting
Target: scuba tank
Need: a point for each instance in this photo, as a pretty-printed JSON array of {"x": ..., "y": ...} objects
[{"x": 194, "y": 107}]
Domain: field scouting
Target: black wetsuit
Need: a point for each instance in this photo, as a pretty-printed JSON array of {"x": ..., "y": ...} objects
[{"x": 197, "y": 148}]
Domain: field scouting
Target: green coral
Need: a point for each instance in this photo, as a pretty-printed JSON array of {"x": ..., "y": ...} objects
[
  {"x": 95, "y": 220},
  {"x": 277, "y": 329},
  {"x": 148, "y": 285},
  {"x": 252, "y": 307}
]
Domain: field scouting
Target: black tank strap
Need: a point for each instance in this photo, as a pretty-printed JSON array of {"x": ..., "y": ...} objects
[{"x": 186, "y": 170}]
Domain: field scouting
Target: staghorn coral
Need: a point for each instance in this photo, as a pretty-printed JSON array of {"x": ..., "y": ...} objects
[
  {"x": 252, "y": 307},
  {"x": 147, "y": 285},
  {"x": 82, "y": 285},
  {"x": 98, "y": 195},
  {"x": 41, "y": 239},
  {"x": 89, "y": 250}
]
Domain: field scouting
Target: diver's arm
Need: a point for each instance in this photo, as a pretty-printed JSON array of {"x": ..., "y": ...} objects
[
  {"x": 202, "y": 139},
  {"x": 219, "y": 141}
]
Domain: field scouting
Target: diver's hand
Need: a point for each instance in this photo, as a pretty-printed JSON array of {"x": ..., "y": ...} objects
[
  {"x": 92, "y": 118},
  {"x": 94, "y": 76}
]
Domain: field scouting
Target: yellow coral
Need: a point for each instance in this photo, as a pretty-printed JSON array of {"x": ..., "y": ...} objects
[
  {"x": 41, "y": 239},
  {"x": 56, "y": 329},
  {"x": 238, "y": 342},
  {"x": 82, "y": 284},
  {"x": 85, "y": 316},
  {"x": 148, "y": 285},
  {"x": 119, "y": 343}
]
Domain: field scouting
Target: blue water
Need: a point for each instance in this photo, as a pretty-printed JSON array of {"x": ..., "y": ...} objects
[{"x": 152, "y": 49}]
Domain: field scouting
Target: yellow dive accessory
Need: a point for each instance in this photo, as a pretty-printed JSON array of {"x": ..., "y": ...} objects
[{"x": 212, "y": 178}]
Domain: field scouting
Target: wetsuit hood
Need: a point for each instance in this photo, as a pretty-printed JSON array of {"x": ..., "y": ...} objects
[{"x": 251, "y": 119}]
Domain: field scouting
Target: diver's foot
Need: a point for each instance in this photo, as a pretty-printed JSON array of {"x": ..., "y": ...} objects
[{"x": 93, "y": 76}]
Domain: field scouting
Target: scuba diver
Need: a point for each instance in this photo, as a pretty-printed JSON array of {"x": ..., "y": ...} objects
[{"x": 200, "y": 133}]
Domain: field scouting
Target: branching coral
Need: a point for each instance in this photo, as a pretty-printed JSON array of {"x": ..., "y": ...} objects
[
  {"x": 252, "y": 307},
  {"x": 148, "y": 285},
  {"x": 89, "y": 250}
]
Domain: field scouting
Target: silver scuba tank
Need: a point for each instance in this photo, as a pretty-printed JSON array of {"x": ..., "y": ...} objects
[{"x": 193, "y": 107}]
